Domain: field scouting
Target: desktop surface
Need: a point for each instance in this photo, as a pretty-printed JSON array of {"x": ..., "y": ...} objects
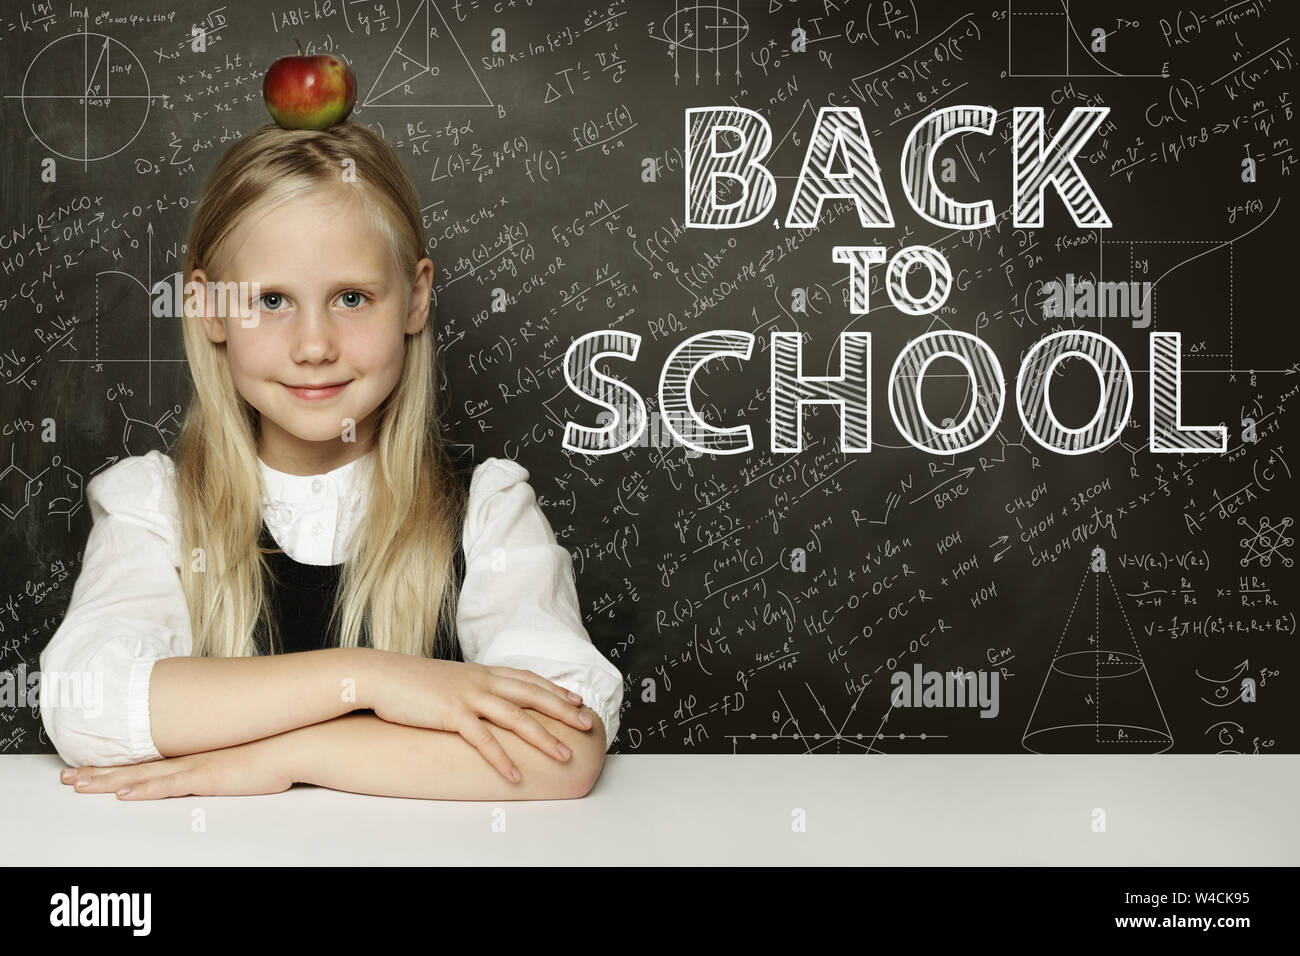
[{"x": 702, "y": 809}]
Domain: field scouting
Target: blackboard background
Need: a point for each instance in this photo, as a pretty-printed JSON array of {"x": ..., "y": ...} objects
[{"x": 532, "y": 173}]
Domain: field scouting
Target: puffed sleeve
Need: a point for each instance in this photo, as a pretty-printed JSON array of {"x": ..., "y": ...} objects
[
  {"x": 126, "y": 612},
  {"x": 518, "y": 602}
]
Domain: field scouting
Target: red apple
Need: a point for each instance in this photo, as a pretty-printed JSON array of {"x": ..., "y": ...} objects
[{"x": 309, "y": 92}]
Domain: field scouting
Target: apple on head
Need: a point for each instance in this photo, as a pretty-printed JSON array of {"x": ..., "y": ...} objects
[{"x": 309, "y": 92}]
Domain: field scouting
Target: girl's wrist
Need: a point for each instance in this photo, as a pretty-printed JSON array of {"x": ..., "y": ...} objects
[
  {"x": 364, "y": 674},
  {"x": 287, "y": 754}
]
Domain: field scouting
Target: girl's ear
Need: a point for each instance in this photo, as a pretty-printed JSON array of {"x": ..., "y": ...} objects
[
  {"x": 196, "y": 304},
  {"x": 418, "y": 313}
]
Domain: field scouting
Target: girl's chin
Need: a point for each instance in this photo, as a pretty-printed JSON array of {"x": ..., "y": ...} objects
[{"x": 326, "y": 428}]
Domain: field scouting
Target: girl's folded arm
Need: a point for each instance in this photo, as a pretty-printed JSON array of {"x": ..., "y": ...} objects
[
  {"x": 118, "y": 684},
  {"x": 361, "y": 753},
  {"x": 519, "y": 603},
  {"x": 206, "y": 703}
]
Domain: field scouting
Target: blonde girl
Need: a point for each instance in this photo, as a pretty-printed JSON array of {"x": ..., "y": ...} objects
[{"x": 437, "y": 649}]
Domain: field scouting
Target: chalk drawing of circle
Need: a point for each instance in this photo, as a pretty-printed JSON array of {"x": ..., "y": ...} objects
[
  {"x": 85, "y": 87},
  {"x": 706, "y": 28}
]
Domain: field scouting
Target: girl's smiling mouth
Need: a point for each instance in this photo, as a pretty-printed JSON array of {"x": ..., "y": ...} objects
[{"x": 316, "y": 393}]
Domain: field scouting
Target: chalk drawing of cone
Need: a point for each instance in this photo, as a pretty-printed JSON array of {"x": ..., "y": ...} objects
[{"x": 1097, "y": 696}]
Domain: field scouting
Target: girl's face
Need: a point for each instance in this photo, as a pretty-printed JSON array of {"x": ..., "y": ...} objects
[{"x": 330, "y": 309}]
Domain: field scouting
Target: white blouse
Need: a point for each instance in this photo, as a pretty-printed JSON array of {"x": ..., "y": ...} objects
[{"x": 128, "y": 610}]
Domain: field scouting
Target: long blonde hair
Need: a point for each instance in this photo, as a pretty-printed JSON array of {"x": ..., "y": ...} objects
[{"x": 397, "y": 580}]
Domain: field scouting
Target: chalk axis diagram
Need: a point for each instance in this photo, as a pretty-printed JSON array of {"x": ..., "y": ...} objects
[
  {"x": 1046, "y": 44},
  {"x": 1097, "y": 696},
  {"x": 67, "y": 109},
  {"x": 410, "y": 77}
]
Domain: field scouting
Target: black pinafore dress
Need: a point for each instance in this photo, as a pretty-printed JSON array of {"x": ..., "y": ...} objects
[{"x": 302, "y": 598}]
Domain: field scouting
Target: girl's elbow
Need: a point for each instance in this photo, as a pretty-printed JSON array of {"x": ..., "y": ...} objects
[
  {"x": 61, "y": 737},
  {"x": 585, "y": 777},
  {"x": 72, "y": 751},
  {"x": 79, "y": 746}
]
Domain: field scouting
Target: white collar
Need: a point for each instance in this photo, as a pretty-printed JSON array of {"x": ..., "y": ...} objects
[{"x": 282, "y": 486}]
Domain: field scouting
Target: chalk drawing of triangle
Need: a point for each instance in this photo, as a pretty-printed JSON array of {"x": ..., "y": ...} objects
[
  {"x": 426, "y": 66},
  {"x": 97, "y": 85}
]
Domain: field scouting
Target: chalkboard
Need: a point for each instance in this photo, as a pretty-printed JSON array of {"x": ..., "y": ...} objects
[{"x": 1004, "y": 598}]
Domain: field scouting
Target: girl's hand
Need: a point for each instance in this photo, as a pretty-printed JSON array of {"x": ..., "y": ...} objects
[
  {"x": 255, "y": 767},
  {"x": 457, "y": 697}
]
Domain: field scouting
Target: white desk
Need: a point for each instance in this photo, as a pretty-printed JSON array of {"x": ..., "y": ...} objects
[{"x": 705, "y": 809}]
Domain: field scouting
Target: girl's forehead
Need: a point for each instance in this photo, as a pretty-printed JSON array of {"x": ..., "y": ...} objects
[
  {"x": 322, "y": 203},
  {"x": 315, "y": 229}
]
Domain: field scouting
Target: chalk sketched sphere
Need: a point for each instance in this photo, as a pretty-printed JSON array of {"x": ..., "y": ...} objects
[
  {"x": 706, "y": 28},
  {"x": 67, "y": 109}
]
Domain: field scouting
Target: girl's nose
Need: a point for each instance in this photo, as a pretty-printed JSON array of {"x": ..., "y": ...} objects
[{"x": 315, "y": 334}]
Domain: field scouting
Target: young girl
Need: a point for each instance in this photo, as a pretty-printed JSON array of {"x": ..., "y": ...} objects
[{"x": 273, "y": 601}]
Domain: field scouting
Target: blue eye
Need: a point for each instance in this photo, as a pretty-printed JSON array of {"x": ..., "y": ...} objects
[
  {"x": 271, "y": 302},
  {"x": 357, "y": 299}
]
